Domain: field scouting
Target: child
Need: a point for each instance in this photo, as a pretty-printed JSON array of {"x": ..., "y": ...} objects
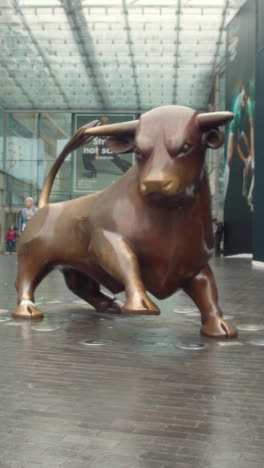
[{"x": 11, "y": 238}]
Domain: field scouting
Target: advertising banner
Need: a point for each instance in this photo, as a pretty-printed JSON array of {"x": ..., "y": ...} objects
[
  {"x": 240, "y": 151},
  {"x": 258, "y": 215},
  {"x": 95, "y": 165}
]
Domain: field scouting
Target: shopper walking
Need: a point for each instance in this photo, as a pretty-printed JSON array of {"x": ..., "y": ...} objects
[
  {"x": 28, "y": 211},
  {"x": 11, "y": 237}
]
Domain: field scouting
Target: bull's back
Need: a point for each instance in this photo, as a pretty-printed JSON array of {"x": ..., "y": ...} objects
[{"x": 58, "y": 230}]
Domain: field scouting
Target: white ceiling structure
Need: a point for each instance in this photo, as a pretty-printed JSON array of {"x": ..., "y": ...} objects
[{"x": 110, "y": 54}]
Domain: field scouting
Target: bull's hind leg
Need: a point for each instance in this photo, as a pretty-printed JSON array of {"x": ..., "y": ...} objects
[
  {"x": 118, "y": 259},
  {"x": 89, "y": 290},
  {"x": 31, "y": 271},
  {"x": 202, "y": 289}
]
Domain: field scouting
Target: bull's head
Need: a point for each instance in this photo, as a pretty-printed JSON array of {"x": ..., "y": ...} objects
[{"x": 169, "y": 143}]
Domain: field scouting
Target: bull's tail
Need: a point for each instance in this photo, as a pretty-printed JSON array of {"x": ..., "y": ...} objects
[{"x": 80, "y": 138}]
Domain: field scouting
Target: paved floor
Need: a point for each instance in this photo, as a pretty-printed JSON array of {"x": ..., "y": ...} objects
[{"x": 140, "y": 399}]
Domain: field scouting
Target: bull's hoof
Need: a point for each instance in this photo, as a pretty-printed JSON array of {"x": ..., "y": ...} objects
[
  {"x": 140, "y": 305},
  {"x": 218, "y": 328},
  {"x": 27, "y": 311},
  {"x": 113, "y": 306}
]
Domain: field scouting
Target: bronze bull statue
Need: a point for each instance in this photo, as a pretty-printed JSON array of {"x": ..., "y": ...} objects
[{"x": 149, "y": 231}]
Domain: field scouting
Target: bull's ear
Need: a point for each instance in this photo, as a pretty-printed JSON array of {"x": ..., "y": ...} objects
[
  {"x": 121, "y": 143},
  {"x": 213, "y": 138}
]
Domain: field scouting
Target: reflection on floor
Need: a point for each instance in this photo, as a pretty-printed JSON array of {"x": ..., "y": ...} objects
[{"x": 82, "y": 389}]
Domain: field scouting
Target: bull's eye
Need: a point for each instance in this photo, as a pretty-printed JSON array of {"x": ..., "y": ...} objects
[{"x": 186, "y": 147}]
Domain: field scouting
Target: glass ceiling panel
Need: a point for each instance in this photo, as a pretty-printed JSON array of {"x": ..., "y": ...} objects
[
  {"x": 115, "y": 3},
  {"x": 39, "y": 3},
  {"x": 98, "y": 55},
  {"x": 204, "y": 3}
]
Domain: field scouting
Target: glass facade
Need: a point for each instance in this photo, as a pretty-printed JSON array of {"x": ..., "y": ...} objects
[
  {"x": 33, "y": 142},
  {"x": 54, "y": 132},
  {"x": 216, "y": 158},
  {"x": 1, "y": 139},
  {"x": 1, "y": 172}
]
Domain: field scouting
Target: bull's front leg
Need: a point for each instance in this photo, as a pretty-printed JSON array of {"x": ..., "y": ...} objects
[
  {"x": 119, "y": 260},
  {"x": 202, "y": 289}
]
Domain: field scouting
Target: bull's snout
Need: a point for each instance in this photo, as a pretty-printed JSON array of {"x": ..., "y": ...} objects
[{"x": 168, "y": 187}]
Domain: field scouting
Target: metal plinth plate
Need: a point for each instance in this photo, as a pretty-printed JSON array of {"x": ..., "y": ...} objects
[
  {"x": 186, "y": 311},
  {"x": 259, "y": 342},
  {"x": 250, "y": 327},
  {"x": 229, "y": 343},
  {"x": 4, "y": 319},
  {"x": 192, "y": 346},
  {"x": 94, "y": 342},
  {"x": 44, "y": 328}
]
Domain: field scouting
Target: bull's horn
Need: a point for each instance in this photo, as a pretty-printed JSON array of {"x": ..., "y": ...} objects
[
  {"x": 113, "y": 129},
  {"x": 213, "y": 119}
]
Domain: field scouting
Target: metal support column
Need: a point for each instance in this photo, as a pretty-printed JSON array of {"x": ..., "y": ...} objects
[
  {"x": 217, "y": 153},
  {"x": 2, "y": 241}
]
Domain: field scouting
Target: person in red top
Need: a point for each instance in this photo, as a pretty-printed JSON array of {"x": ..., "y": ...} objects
[{"x": 11, "y": 238}]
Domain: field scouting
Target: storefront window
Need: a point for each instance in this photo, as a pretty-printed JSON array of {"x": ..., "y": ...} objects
[
  {"x": 21, "y": 157},
  {"x": 33, "y": 143},
  {"x": 1, "y": 139},
  {"x": 54, "y": 132}
]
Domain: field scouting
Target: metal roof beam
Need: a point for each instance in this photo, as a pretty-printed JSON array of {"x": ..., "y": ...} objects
[
  {"x": 218, "y": 43},
  {"x": 130, "y": 6},
  {"x": 131, "y": 53},
  {"x": 158, "y": 6},
  {"x": 84, "y": 43},
  {"x": 174, "y": 91},
  {"x": 46, "y": 63}
]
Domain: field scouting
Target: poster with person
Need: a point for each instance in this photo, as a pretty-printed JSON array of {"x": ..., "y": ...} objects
[
  {"x": 95, "y": 166},
  {"x": 258, "y": 215},
  {"x": 240, "y": 139}
]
